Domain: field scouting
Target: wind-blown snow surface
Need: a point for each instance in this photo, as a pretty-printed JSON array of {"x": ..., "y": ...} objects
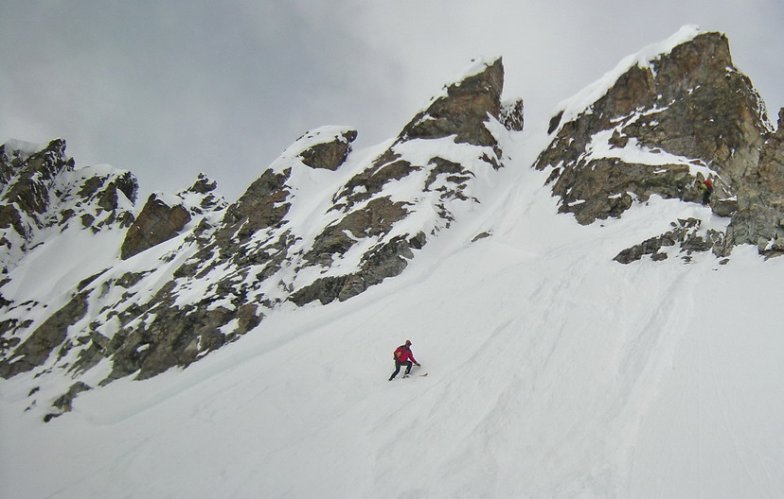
[{"x": 553, "y": 372}]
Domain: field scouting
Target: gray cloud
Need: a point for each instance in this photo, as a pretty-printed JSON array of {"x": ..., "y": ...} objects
[
  {"x": 169, "y": 89},
  {"x": 554, "y": 48}
]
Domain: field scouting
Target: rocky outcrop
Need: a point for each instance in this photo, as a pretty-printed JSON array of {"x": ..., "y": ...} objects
[
  {"x": 662, "y": 125},
  {"x": 249, "y": 243},
  {"x": 459, "y": 116},
  {"x": 42, "y": 190},
  {"x": 156, "y": 223},
  {"x": 321, "y": 224},
  {"x": 28, "y": 179},
  {"x": 463, "y": 109},
  {"x": 329, "y": 155},
  {"x": 685, "y": 238},
  {"x": 64, "y": 403},
  {"x": 43, "y": 199},
  {"x": 512, "y": 115},
  {"x": 257, "y": 231},
  {"x": 305, "y": 230},
  {"x": 659, "y": 125},
  {"x": 162, "y": 217},
  {"x": 177, "y": 336},
  {"x": 48, "y": 336},
  {"x": 263, "y": 205},
  {"x": 759, "y": 219}
]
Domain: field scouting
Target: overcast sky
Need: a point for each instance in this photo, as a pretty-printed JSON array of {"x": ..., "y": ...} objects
[{"x": 168, "y": 89}]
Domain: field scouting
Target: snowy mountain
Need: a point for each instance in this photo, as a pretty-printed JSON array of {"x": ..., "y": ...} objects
[
  {"x": 319, "y": 224},
  {"x": 589, "y": 328}
]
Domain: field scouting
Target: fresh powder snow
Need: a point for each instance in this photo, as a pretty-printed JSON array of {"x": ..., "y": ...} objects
[{"x": 553, "y": 372}]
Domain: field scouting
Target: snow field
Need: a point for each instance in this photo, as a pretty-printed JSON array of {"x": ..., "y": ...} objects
[{"x": 553, "y": 372}]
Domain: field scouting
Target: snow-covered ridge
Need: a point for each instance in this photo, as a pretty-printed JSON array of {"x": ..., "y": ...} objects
[
  {"x": 553, "y": 371},
  {"x": 22, "y": 147},
  {"x": 322, "y": 223},
  {"x": 321, "y": 135},
  {"x": 474, "y": 68},
  {"x": 578, "y": 103},
  {"x": 663, "y": 121},
  {"x": 43, "y": 196}
]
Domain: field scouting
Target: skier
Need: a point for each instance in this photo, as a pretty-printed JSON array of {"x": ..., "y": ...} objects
[
  {"x": 707, "y": 190},
  {"x": 403, "y": 356}
]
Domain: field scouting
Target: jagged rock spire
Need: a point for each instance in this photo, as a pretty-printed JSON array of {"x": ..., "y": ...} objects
[{"x": 667, "y": 120}]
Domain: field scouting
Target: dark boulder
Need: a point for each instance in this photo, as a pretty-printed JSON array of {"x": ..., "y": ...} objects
[{"x": 156, "y": 223}]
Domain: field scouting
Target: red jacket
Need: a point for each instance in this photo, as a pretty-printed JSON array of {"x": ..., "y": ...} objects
[{"x": 403, "y": 354}]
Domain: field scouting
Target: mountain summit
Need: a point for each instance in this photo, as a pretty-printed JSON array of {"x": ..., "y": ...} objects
[
  {"x": 191, "y": 274},
  {"x": 661, "y": 123}
]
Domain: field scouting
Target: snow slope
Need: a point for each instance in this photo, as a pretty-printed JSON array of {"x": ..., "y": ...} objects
[{"x": 553, "y": 372}]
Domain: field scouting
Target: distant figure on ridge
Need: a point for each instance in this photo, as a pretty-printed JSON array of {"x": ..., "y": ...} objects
[
  {"x": 707, "y": 190},
  {"x": 403, "y": 356}
]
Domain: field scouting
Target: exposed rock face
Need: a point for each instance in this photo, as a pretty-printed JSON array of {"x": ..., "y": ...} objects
[
  {"x": 51, "y": 334},
  {"x": 42, "y": 190},
  {"x": 760, "y": 216},
  {"x": 64, "y": 403},
  {"x": 460, "y": 116},
  {"x": 330, "y": 155},
  {"x": 660, "y": 128},
  {"x": 162, "y": 218},
  {"x": 685, "y": 235},
  {"x": 27, "y": 178},
  {"x": 249, "y": 242},
  {"x": 663, "y": 126},
  {"x": 262, "y": 206},
  {"x": 463, "y": 110},
  {"x": 157, "y": 222},
  {"x": 512, "y": 116},
  {"x": 261, "y": 247},
  {"x": 44, "y": 198},
  {"x": 307, "y": 229},
  {"x": 321, "y": 224}
]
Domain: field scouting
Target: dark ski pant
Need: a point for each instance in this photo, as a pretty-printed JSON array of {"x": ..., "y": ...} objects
[{"x": 398, "y": 365}]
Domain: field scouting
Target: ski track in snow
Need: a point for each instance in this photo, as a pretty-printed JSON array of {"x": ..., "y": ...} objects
[{"x": 553, "y": 372}]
